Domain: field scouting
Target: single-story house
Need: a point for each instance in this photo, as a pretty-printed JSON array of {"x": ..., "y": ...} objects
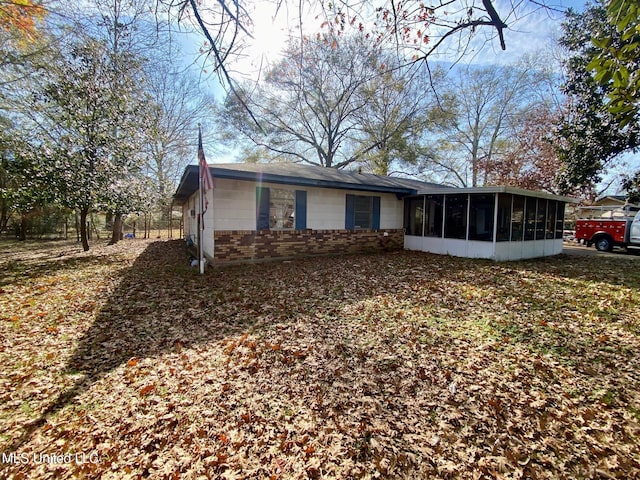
[
  {"x": 283, "y": 210},
  {"x": 611, "y": 201},
  {"x": 610, "y": 206}
]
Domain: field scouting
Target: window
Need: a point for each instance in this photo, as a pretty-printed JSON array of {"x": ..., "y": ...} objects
[
  {"x": 481, "y": 211},
  {"x": 281, "y": 209},
  {"x": 455, "y": 224},
  {"x": 503, "y": 228},
  {"x": 433, "y": 216},
  {"x": 517, "y": 218},
  {"x": 423, "y": 216},
  {"x": 362, "y": 212},
  {"x": 560, "y": 220},
  {"x": 551, "y": 219},
  {"x": 414, "y": 215},
  {"x": 530, "y": 218},
  {"x": 541, "y": 219}
]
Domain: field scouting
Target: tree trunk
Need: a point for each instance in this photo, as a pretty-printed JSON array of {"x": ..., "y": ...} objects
[
  {"x": 116, "y": 231},
  {"x": 93, "y": 227},
  {"x": 108, "y": 220},
  {"x": 83, "y": 229},
  {"x": 4, "y": 216},
  {"x": 22, "y": 236}
]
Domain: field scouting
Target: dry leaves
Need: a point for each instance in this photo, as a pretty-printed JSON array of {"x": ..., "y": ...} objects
[{"x": 403, "y": 365}]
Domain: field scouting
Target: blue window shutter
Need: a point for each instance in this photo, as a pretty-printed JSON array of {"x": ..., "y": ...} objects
[
  {"x": 301, "y": 210},
  {"x": 262, "y": 208},
  {"x": 375, "y": 213},
  {"x": 350, "y": 213}
]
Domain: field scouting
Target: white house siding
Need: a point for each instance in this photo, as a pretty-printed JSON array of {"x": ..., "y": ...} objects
[
  {"x": 209, "y": 225},
  {"x": 528, "y": 249},
  {"x": 235, "y": 206},
  {"x": 500, "y": 251},
  {"x": 190, "y": 222},
  {"x": 450, "y": 246},
  {"x": 391, "y": 212},
  {"x": 326, "y": 208}
]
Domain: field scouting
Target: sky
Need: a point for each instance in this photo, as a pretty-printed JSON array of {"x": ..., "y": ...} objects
[{"x": 533, "y": 29}]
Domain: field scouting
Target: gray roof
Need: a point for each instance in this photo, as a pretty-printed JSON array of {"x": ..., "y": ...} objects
[
  {"x": 301, "y": 175},
  {"x": 496, "y": 189}
]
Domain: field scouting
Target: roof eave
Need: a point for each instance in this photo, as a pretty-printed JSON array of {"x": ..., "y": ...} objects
[
  {"x": 184, "y": 190},
  {"x": 263, "y": 177},
  {"x": 497, "y": 189},
  {"x": 188, "y": 187}
]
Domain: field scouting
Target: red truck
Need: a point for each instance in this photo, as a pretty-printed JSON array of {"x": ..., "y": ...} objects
[{"x": 606, "y": 233}]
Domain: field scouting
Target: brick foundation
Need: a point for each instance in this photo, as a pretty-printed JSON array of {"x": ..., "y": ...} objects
[{"x": 242, "y": 246}]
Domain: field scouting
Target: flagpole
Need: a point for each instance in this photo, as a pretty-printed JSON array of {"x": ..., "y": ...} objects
[{"x": 201, "y": 226}]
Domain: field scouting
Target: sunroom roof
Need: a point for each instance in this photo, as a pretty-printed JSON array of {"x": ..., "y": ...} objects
[{"x": 495, "y": 189}]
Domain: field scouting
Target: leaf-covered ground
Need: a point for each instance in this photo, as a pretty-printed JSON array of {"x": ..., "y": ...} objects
[{"x": 123, "y": 362}]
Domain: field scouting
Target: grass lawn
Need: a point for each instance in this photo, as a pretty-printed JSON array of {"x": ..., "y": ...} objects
[{"x": 123, "y": 362}]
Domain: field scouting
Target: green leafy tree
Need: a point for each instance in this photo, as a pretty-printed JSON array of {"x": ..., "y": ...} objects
[
  {"x": 24, "y": 180},
  {"x": 5, "y": 174},
  {"x": 93, "y": 128},
  {"x": 119, "y": 23},
  {"x": 617, "y": 60},
  {"x": 589, "y": 136},
  {"x": 632, "y": 185}
]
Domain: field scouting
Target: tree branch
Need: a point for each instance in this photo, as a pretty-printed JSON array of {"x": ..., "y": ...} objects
[{"x": 220, "y": 61}]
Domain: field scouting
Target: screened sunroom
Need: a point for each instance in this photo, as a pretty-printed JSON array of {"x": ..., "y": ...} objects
[{"x": 500, "y": 223}]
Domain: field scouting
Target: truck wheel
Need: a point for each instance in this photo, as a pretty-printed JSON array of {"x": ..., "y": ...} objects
[{"x": 604, "y": 244}]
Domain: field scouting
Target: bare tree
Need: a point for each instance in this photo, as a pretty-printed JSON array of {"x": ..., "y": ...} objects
[
  {"x": 400, "y": 105},
  {"x": 484, "y": 104},
  {"x": 414, "y": 29},
  {"x": 179, "y": 105},
  {"x": 308, "y": 105},
  {"x": 226, "y": 27}
]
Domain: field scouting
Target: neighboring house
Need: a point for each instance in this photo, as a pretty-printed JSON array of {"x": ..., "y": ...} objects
[
  {"x": 611, "y": 200},
  {"x": 609, "y": 206},
  {"x": 284, "y": 210}
]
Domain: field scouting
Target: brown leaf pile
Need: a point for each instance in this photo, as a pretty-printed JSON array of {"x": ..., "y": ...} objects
[{"x": 404, "y": 365}]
